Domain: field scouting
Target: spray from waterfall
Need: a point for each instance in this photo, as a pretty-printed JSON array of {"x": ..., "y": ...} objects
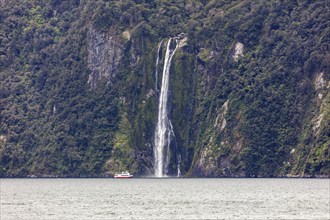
[{"x": 164, "y": 128}]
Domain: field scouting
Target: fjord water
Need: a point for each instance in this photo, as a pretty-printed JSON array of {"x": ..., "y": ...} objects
[{"x": 165, "y": 199}]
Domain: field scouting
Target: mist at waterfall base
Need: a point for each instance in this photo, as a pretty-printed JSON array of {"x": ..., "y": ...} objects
[{"x": 169, "y": 198}]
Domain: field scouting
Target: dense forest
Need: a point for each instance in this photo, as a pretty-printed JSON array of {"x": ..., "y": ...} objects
[{"x": 249, "y": 87}]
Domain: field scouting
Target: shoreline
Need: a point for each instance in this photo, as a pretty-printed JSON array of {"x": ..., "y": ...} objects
[{"x": 46, "y": 176}]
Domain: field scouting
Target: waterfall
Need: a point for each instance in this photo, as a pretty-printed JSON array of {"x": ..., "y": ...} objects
[
  {"x": 178, "y": 167},
  {"x": 164, "y": 128}
]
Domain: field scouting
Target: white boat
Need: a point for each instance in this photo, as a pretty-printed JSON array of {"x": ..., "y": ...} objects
[{"x": 123, "y": 175}]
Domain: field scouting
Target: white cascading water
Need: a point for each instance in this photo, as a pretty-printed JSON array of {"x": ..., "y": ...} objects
[{"x": 164, "y": 128}]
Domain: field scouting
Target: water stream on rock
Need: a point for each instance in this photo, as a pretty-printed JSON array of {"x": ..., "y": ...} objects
[{"x": 164, "y": 128}]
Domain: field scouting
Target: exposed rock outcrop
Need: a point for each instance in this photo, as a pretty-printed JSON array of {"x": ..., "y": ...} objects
[
  {"x": 319, "y": 82},
  {"x": 3, "y": 138},
  {"x": 238, "y": 51},
  {"x": 207, "y": 165},
  {"x": 220, "y": 121},
  {"x": 320, "y": 85},
  {"x": 105, "y": 51}
]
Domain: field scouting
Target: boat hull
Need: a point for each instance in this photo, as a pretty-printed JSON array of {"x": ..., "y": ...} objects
[{"x": 123, "y": 177}]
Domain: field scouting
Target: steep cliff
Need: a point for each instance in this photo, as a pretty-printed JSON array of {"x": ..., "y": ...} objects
[{"x": 248, "y": 87}]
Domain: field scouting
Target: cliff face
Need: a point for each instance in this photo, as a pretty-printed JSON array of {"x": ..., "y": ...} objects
[
  {"x": 105, "y": 52},
  {"x": 248, "y": 88}
]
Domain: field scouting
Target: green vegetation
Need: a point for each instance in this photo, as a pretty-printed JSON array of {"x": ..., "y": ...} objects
[{"x": 276, "y": 124}]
